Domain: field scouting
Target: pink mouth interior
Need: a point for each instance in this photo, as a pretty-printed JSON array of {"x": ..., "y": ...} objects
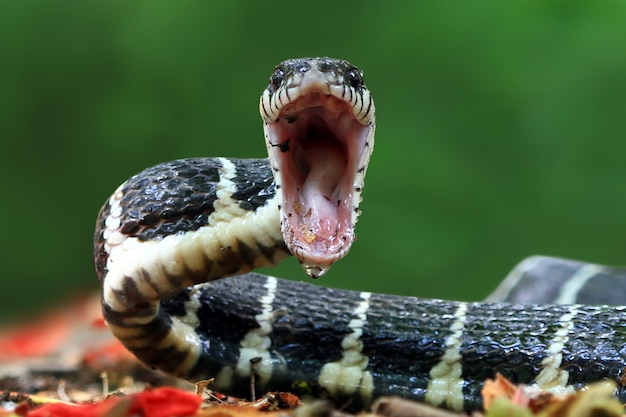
[{"x": 316, "y": 144}]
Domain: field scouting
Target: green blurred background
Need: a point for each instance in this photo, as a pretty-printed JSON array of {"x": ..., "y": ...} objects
[{"x": 500, "y": 128}]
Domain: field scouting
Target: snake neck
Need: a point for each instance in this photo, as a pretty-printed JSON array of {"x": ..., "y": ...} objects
[
  {"x": 142, "y": 261},
  {"x": 235, "y": 236}
]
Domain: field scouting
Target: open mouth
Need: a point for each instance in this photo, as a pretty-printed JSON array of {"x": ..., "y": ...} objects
[{"x": 319, "y": 152}]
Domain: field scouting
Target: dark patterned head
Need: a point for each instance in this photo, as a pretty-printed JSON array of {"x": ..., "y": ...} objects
[
  {"x": 319, "y": 130},
  {"x": 343, "y": 71}
]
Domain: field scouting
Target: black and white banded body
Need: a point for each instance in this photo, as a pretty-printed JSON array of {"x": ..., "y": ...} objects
[
  {"x": 168, "y": 231},
  {"x": 544, "y": 280}
]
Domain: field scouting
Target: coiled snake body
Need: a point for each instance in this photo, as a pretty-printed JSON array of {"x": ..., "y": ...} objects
[{"x": 168, "y": 231}]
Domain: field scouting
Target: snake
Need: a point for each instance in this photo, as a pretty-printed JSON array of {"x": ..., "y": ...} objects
[{"x": 168, "y": 235}]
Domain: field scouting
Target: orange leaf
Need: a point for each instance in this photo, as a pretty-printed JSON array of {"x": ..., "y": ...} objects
[
  {"x": 165, "y": 402},
  {"x": 159, "y": 402},
  {"x": 502, "y": 388},
  {"x": 71, "y": 410}
]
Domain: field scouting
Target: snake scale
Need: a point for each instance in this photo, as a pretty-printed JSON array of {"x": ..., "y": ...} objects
[{"x": 167, "y": 234}]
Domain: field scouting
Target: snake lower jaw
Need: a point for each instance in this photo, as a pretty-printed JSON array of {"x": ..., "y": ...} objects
[
  {"x": 315, "y": 270},
  {"x": 317, "y": 257}
]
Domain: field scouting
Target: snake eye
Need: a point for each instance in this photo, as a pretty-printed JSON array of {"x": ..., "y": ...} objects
[
  {"x": 276, "y": 79},
  {"x": 354, "y": 77}
]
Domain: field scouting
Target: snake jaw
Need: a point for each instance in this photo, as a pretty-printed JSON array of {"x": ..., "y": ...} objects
[{"x": 319, "y": 131}]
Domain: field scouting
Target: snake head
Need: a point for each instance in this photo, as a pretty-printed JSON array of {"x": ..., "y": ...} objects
[{"x": 319, "y": 131}]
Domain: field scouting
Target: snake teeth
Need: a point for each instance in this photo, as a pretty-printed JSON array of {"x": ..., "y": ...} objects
[{"x": 319, "y": 130}]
